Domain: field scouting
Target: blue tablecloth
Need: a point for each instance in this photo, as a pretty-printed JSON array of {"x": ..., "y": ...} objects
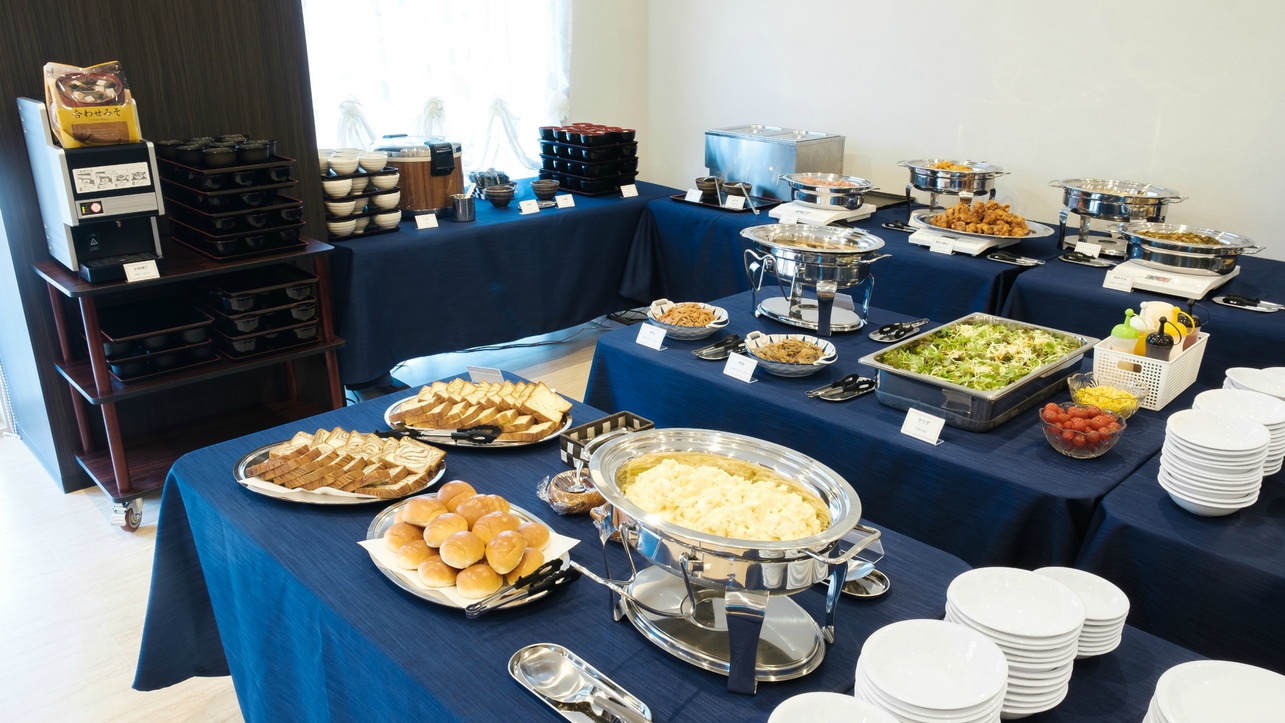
[
  {"x": 502, "y": 277},
  {"x": 280, "y": 596},
  {"x": 1212, "y": 584},
  {"x": 686, "y": 252},
  {"x": 1071, "y": 297},
  {"x": 1000, "y": 497}
]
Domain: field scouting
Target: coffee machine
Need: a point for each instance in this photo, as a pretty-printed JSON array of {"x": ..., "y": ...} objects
[{"x": 100, "y": 205}]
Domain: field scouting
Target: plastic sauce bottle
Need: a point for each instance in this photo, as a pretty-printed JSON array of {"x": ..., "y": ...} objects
[{"x": 1124, "y": 338}]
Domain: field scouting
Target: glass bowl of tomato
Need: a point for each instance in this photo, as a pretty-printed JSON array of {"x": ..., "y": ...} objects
[{"x": 1080, "y": 431}]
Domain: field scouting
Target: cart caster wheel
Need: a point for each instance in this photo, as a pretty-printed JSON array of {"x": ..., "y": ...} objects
[{"x": 128, "y": 515}]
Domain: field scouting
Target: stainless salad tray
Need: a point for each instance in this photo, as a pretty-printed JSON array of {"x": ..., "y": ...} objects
[{"x": 972, "y": 409}]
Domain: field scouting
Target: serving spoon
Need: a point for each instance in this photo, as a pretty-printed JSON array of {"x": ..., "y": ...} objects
[{"x": 559, "y": 679}]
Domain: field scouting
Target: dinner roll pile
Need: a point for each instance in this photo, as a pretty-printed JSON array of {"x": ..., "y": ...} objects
[{"x": 464, "y": 539}]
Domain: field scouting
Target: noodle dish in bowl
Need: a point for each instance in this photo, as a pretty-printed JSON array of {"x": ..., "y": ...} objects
[
  {"x": 790, "y": 355},
  {"x": 688, "y": 320}
]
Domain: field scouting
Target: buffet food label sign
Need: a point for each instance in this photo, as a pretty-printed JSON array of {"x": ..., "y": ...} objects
[
  {"x": 942, "y": 246},
  {"x": 477, "y": 375},
  {"x": 141, "y": 271},
  {"x": 735, "y": 203},
  {"x": 1088, "y": 249},
  {"x": 425, "y": 220},
  {"x": 526, "y": 207},
  {"x": 1118, "y": 281},
  {"x": 566, "y": 200},
  {"x": 922, "y": 426},
  {"x": 651, "y": 336},
  {"x": 740, "y": 367},
  {"x": 693, "y": 195},
  {"x": 629, "y": 191}
]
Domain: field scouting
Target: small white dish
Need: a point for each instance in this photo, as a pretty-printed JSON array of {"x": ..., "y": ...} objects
[
  {"x": 756, "y": 340},
  {"x": 389, "y": 219},
  {"x": 341, "y": 228},
  {"x": 337, "y": 188},
  {"x": 966, "y": 667},
  {"x": 373, "y": 161},
  {"x": 1218, "y": 690},
  {"x": 1017, "y": 602},
  {"x": 1217, "y": 430},
  {"x": 1263, "y": 408},
  {"x": 385, "y": 181},
  {"x": 359, "y": 184},
  {"x": 820, "y": 707},
  {"x": 340, "y": 209},
  {"x": 387, "y": 200},
  {"x": 1258, "y": 380},
  {"x": 660, "y": 307},
  {"x": 341, "y": 164}
]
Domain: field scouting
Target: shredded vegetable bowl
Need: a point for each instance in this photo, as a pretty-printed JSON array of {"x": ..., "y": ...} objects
[{"x": 985, "y": 356}]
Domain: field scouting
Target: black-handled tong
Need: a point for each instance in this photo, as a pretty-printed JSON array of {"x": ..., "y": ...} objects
[
  {"x": 549, "y": 577},
  {"x": 1008, "y": 257},
  {"x": 853, "y": 385},
  {"x": 897, "y": 330},
  {"x": 1075, "y": 257},
  {"x": 899, "y": 226},
  {"x": 1248, "y": 302},
  {"x": 721, "y": 349},
  {"x": 481, "y": 434}
]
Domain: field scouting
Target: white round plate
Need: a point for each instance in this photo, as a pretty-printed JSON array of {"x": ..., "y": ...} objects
[
  {"x": 1017, "y": 602},
  {"x": 966, "y": 667},
  {"x": 1207, "y": 473},
  {"x": 1217, "y": 430},
  {"x": 820, "y": 707},
  {"x": 1102, "y": 599},
  {"x": 1217, "y": 690},
  {"x": 1202, "y": 510},
  {"x": 1213, "y": 492},
  {"x": 1027, "y": 646},
  {"x": 871, "y": 694},
  {"x": 1258, "y": 381},
  {"x": 1193, "y": 495},
  {"x": 1215, "y": 466},
  {"x": 1262, "y": 408}
]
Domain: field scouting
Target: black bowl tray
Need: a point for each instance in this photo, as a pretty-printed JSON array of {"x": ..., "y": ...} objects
[
  {"x": 760, "y": 203},
  {"x": 270, "y": 163}
]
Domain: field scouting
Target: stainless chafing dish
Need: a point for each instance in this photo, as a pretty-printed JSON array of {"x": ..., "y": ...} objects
[
  {"x": 828, "y": 189},
  {"x": 978, "y": 180},
  {"x": 717, "y": 602},
  {"x": 1120, "y": 201},
  {"x": 1198, "y": 259},
  {"x": 827, "y": 258}
]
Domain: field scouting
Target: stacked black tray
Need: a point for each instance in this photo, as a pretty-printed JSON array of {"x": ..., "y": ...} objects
[
  {"x": 588, "y": 158},
  {"x": 154, "y": 337},
  {"x": 262, "y": 310}
]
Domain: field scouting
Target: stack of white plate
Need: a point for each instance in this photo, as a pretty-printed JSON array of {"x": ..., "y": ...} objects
[
  {"x": 1105, "y": 606},
  {"x": 1268, "y": 381},
  {"x": 1255, "y": 406},
  {"x": 929, "y": 671},
  {"x": 1211, "y": 463},
  {"x": 828, "y": 708},
  {"x": 1214, "y": 691},
  {"x": 1035, "y": 620}
]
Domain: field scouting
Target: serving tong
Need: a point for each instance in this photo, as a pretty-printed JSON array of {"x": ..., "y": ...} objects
[
  {"x": 549, "y": 577},
  {"x": 899, "y": 226},
  {"x": 1008, "y": 257},
  {"x": 1075, "y": 257},
  {"x": 896, "y": 331},
  {"x": 480, "y": 434},
  {"x": 1248, "y": 302},
  {"x": 721, "y": 349},
  {"x": 849, "y": 387}
]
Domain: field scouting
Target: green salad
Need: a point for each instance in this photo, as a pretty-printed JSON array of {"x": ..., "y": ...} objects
[{"x": 984, "y": 356}]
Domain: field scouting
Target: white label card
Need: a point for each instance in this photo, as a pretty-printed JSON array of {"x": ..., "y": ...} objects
[
  {"x": 844, "y": 301},
  {"x": 425, "y": 220},
  {"x": 477, "y": 375},
  {"x": 651, "y": 336},
  {"x": 141, "y": 271},
  {"x": 735, "y": 203},
  {"x": 526, "y": 207},
  {"x": 942, "y": 246},
  {"x": 1118, "y": 281},
  {"x": 629, "y": 191},
  {"x": 1088, "y": 249},
  {"x": 740, "y": 367},
  {"x": 566, "y": 200},
  {"x": 922, "y": 426},
  {"x": 693, "y": 195},
  {"x": 788, "y": 215}
]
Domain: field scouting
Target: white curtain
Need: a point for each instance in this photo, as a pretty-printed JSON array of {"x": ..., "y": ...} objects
[{"x": 485, "y": 73}]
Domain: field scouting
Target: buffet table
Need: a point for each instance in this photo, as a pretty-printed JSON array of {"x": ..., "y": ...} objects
[
  {"x": 281, "y": 597},
  {"x": 686, "y": 252},
  {"x": 502, "y": 277},
  {"x": 1004, "y": 497},
  {"x": 1071, "y": 297},
  {"x": 1213, "y": 584}
]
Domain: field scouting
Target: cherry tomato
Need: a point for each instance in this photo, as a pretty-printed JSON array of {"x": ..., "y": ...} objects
[
  {"x": 1050, "y": 415},
  {"x": 1079, "y": 425},
  {"x": 1093, "y": 438},
  {"x": 1051, "y": 406},
  {"x": 1068, "y": 435},
  {"x": 1079, "y": 440},
  {"x": 1093, "y": 411},
  {"x": 1062, "y": 419}
]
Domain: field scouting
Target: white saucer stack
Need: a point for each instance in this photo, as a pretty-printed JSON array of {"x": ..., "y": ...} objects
[
  {"x": 1036, "y": 621},
  {"x": 1106, "y": 606},
  {"x": 1268, "y": 381},
  {"x": 1214, "y": 691},
  {"x": 1211, "y": 463},
  {"x": 819, "y": 707},
  {"x": 929, "y": 671},
  {"x": 1255, "y": 406}
]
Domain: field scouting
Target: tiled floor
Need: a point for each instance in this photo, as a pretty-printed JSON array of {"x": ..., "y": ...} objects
[{"x": 73, "y": 588}]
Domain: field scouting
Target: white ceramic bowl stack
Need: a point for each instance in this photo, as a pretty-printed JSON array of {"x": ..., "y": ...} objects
[
  {"x": 1255, "y": 406},
  {"x": 1105, "y": 608},
  {"x": 1213, "y": 691},
  {"x": 929, "y": 671},
  {"x": 1211, "y": 463},
  {"x": 1035, "y": 620}
]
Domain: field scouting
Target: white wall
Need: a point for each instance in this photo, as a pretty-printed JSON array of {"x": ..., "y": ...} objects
[
  {"x": 609, "y": 66},
  {"x": 1181, "y": 93}
]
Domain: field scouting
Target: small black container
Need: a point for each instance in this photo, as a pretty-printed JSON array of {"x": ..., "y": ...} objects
[
  {"x": 268, "y": 142},
  {"x": 168, "y": 149},
  {"x": 247, "y": 153},
  {"x": 291, "y": 215},
  {"x": 549, "y": 133},
  {"x": 215, "y": 157},
  {"x": 213, "y": 182},
  {"x": 256, "y": 220},
  {"x": 189, "y": 155},
  {"x": 245, "y": 179},
  {"x": 278, "y": 174},
  {"x": 233, "y": 138},
  {"x": 201, "y": 140}
]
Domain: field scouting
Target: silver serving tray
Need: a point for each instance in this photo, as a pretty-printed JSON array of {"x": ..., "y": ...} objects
[
  {"x": 385, "y": 519},
  {"x": 837, "y": 241},
  {"x": 975, "y": 168},
  {"x": 448, "y": 442},
  {"x": 1038, "y": 230},
  {"x": 876, "y": 359},
  {"x": 306, "y": 498},
  {"x": 577, "y": 713},
  {"x": 1102, "y": 189}
]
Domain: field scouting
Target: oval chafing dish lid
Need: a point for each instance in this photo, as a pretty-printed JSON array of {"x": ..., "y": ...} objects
[
  {"x": 1122, "y": 189},
  {"x": 804, "y": 181},
  {"x": 973, "y": 166},
  {"x": 814, "y": 239},
  {"x": 1226, "y": 240}
]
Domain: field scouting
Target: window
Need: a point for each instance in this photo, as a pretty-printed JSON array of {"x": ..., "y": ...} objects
[{"x": 484, "y": 73}]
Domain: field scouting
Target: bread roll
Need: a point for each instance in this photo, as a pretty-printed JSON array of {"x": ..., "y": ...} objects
[
  {"x": 397, "y": 516},
  {"x": 536, "y": 534},
  {"x": 477, "y": 581},
  {"x": 412, "y": 554},
  {"x": 493, "y": 523},
  {"x": 435, "y": 573},
  {"x": 477, "y": 505},
  {"x": 499, "y": 503},
  {"x": 531, "y": 560},
  {"x": 399, "y": 534},
  {"x": 451, "y": 490},
  {"x": 442, "y": 527},
  {"x": 463, "y": 549},
  {"x": 504, "y": 551},
  {"x": 420, "y": 511}
]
